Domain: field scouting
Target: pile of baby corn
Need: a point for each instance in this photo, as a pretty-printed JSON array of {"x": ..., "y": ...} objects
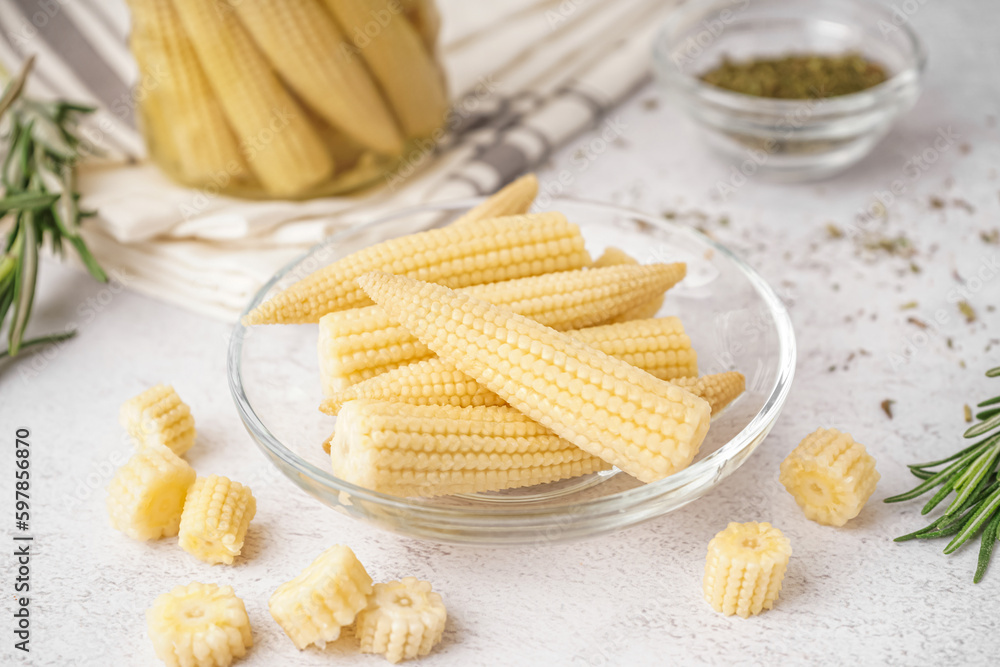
[
  {"x": 494, "y": 353},
  {"x": 280, "y": 96}
]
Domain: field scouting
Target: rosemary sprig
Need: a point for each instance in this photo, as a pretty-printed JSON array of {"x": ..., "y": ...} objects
[
  {"x": 973, "y": 475},
  {"x": 40, "y": 151}
]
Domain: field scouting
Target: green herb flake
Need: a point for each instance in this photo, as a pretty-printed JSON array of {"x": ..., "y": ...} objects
[
  {"x": 967, "y": 311},
  {"x": 798, "y": 76},
  {"x": 909, "y": 305}
]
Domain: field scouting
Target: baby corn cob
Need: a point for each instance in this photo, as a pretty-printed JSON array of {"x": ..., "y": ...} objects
[
  {"x": 282, "y": 148},
  {"x": 158, "y": 416},
  {"x": 648, "y": 309},
  {"x": 481, "y": 252},
  {"x": 199, "y": 625},
  {"x": 358, "y": 344},
  {"x": 404, "y": 620},
  {"x": 146, "y": 496},
  {"x": 314, "y": 606},
  {"x": 426, "y": 19},
  {"x": 186, "y": 125},
  {"x": 217, "y": 513},
  {"x": 513, "y": 199},
  {"x": 320, "y": 68},
  {"x": 647, "y": 427},
  {"x": 430, "y": 450},
  {"x": 659, "y": 347},
  {"x": 719, "y": 389},
  {"x": 830, "y": 476},
  {"x": 408, "y": 74},
  {"x": 745, "y": 566}
]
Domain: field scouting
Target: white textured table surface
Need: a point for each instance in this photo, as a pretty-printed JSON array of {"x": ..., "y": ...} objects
[{"x": 850, "y": 595}]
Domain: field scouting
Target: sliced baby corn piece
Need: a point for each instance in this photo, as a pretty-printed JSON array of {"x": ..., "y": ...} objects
[
  {"x": 183, "y": 118},
  {"x": 199, "y": 625},
  {"x": 647, "y": 427},
  {"x": 158, "y": 416},
  {"x": 426, "y": 19},
  {"x": 745, "y": 566},
  {"x": 830, "y": 476},
  {"x": 321, "y": 68},
  {"x": 217, "y": 513},
  {"x": 659, "y": 347},
  {"x": 313, "y": 607},
  {"x": 647, "y": 309},
  {"x": 401, "y": 63},
  {"x": 719, "y": 389},
  {"x": 403, "y": 620},
  {"x": 481, "y": 252},
  {"x": 514, "y": 198},
  {"x": 433, "y": 450},
  {"x": 146, "y": 495},
  {"x": 359, "y": 344},
  {"x": 281, "y": 147}
]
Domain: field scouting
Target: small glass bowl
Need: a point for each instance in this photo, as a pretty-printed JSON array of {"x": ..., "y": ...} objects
[
  {"x": 734, "y": 318},
  {"x": 788, "y": 140}
]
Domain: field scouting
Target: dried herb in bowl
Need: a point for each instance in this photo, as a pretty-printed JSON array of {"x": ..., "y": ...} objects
[{"x": 798, "y": 76}]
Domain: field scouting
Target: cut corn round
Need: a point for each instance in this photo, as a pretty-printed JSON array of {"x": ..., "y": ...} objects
[
  {"x": 320, "y": 68},
  {"x": 404, "y": 620},
  {"x": 514, "y": 198},
  {"x": 281, "y": 147},
  {"x": 430, "y": 450},
  {"x": 199, "y": 625},
  {"x": 480, "y": 252},
  {"x": 358, "y": 344},
  {"x": 830, "y": 476},
  {"x": 217, "y": 513},
  {"x": 146, "y": 495},
  {"x": 313, "y": 607},
  {"x": 659, "y": 347},
  {"x": 745, "y": 567},
  {"x": 647, "y": 427},
  {"x": 158, "y": 416}
]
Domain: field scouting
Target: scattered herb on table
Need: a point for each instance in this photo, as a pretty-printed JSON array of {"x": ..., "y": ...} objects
[
  {"x": 798, "y": 76},
  {"x": 41, "y": 149},
  {"x": 972, "y": 475}
]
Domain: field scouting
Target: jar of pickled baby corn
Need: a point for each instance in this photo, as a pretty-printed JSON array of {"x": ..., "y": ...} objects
[{"x": 286, "y": 98}]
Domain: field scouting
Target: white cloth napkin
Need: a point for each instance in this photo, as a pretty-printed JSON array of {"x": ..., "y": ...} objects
[{"x": 525, "y": 75}]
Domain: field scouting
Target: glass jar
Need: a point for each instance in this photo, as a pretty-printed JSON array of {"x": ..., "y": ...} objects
[{"x": 286, "y": 98}]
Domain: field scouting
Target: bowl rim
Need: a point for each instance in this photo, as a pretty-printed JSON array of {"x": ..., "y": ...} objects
[
  {"x": 509, "y": 515},
  {"x": 875, "y": 96}
]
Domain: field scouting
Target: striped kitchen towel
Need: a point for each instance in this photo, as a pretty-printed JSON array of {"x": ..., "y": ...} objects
[{"x": 525, "y": 76}]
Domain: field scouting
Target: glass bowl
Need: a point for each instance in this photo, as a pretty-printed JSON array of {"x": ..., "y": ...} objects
[
  {"x": 788, "y": 140},
  {"x": 734, "y": 318}
]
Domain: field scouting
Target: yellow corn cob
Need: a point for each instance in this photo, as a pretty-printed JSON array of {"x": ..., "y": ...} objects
[
  {"x": 659, "y": 347},
  {"x": 217, "y": 513},
  {"x": 404, "y": 620},
  {"x": 313, "y": 607},
  {"x": 719, "y": 389},
  {"x": 199, "y": 625},
  {"x": 513, "y": 199},
  {"x": 645, "y": 426},
  {"x": 282, "y": 148},
  {"x": 400, "y": 62},
  {"x": 185, "y": 123},
  {"x": 481, "y": 252},
  {"x": 146, "y": 495},
  {"x": 614, "y": 257},
  {"x": 830, "y": 476},
  {"x": 158, "y": 416},
  {"x": 426, "y": 19},
  {"x": 358, "y": 344},
  {"x": 321, "y": 68},
  {"x": 744, "y": 568},
  {"x": 431, "y": 450}
]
